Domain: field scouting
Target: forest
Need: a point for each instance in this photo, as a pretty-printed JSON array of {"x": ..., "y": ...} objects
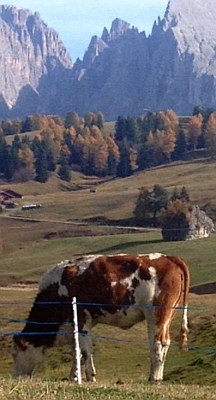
[{"x": 87, "y": 145}]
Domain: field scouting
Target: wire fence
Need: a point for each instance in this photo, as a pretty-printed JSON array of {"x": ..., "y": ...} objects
[{"x": 56, "y": 324}]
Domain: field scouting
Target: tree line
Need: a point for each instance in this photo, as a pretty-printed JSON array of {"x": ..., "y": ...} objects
[{"x": 82, "y": 143}]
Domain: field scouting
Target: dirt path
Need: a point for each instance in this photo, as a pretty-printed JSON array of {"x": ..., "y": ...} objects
[{"x": 21, "y": 287}]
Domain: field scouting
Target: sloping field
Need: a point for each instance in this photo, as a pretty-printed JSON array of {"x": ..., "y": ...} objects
[
  {"x": 115, "y": 199},
  {"x": 37, "y": 239}
]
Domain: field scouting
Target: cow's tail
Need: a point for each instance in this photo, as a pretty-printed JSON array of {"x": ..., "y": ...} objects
[
  {"x": 185, "y": 281},
  {"x": 185, "y": 292}
]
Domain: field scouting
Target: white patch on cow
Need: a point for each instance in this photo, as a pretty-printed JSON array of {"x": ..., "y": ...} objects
[
  {"x": 147, "y": 290},
  {"x": 128, "y": 280},
  {"x": 152, "y": 256},
  {"x": 185, "y": 320},
  {"x": 54, "y": 275},
  {"x": 84, "y": 262},
  {"x": 26, "y": 361},
  {"x": 62, "y": 291},
  {"x": 124, "y": 317}
]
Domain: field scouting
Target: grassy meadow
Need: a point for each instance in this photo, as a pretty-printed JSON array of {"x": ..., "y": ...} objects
[{"x": 34, "y": 240}]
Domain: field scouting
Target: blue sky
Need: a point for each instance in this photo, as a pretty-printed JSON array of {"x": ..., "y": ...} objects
[{"x": 77, "y": 21}]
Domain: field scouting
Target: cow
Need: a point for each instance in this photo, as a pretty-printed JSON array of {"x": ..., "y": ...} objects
[{"x": 119, "y": 290}]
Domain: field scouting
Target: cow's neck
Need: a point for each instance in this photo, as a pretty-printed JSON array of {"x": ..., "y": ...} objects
[{"x": 48, "y": 313}]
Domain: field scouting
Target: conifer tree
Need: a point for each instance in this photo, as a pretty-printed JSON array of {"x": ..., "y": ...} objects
[
  {"x": 41, "y": 167},
  {"x": 64, "y": 170}
]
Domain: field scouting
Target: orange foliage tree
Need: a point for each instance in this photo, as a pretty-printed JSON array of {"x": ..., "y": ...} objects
[{"x": 195, "y": 129}]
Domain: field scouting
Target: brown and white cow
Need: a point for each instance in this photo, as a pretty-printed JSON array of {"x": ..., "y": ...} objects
[{"x": 119, "y": 290}]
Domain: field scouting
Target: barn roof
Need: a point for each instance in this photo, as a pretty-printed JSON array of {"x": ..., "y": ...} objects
[{"x": 11, "y": 193}]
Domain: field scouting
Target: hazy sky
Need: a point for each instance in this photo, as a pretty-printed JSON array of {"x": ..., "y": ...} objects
[{"x": 77, "y": 21}]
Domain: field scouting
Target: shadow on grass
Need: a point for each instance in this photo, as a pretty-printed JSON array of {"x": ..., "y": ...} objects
[{"x": 122, "y": 246}]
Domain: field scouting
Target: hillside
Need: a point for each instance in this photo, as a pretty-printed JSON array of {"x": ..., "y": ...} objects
[
  {"x": 34, "y": 240},
  {"x": 115, "y": 198}
]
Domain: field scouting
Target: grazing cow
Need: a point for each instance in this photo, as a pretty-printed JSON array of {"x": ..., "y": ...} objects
[{"x": 119, "y": 290}]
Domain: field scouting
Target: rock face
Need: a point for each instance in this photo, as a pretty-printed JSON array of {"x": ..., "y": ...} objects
[
  {"x": 122, "y": 72},
  {"x": 30, "y": 55},
  {"x": 172, "y": 68},
  {"x": 200, "y": 225},
  {"x": 193, "y": 225}
]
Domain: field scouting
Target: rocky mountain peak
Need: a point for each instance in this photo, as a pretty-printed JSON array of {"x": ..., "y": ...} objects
[
  {"x": 29, "y": 50},
  {"x": 191, "y": 23},
  {"x": 119, "y": 27},
  {"x": 96, "y": 46}
]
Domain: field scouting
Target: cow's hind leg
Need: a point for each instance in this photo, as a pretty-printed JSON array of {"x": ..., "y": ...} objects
[
  {"x": 87, "y": 357},
  {"x": 159, "y": 352}
]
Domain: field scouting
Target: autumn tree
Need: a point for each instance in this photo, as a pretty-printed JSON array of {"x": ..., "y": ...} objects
[
  {"x": 133, "y": 159},
  {"x": 72, "y": 119},
  {"x": 99, "y": 120},
  {"x": 26, "y": 169},
  {"x": 77, "y": 149},
  {"x": 99, "y": 151},
  {"x": 210, "y": 134},
  {"x": 163, "y": 144},
  {"x": 175, "y": 221},
  {"x": 172, "y": 120},
  {"x": 113, "y": 156},
  {"x": 90, "y": 119},
  {"x": 34, "y": 122},
  {"x": 7, "y": 127},
  {"x": 195, "y": 130}
]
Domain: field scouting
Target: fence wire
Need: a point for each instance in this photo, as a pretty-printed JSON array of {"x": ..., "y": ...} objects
[{"x": 9, "y": 334}]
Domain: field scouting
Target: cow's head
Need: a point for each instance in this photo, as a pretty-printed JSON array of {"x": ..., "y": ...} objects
[{"x": 26, "y": 357}]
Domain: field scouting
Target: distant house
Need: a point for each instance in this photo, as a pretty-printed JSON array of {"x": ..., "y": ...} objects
[{"x": 7, "y": 196}]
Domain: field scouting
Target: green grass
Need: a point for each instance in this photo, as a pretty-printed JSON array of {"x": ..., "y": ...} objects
[
  {"x": 116, "y": 199},
  {"x": 122, "y": 367},
  {"x": 63, "y": 390},
  {"x": 29, "y": 263},
  {"x": 113, "y": 362}
]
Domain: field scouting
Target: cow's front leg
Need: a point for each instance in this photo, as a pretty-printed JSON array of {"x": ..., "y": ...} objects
[{"x": 86, "y": 354}]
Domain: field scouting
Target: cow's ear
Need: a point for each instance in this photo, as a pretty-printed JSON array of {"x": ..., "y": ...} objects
[{"x": 21, "y": 343}]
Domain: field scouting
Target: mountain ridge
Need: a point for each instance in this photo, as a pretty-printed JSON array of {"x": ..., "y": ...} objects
[{"x": 122, "y": 72}]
